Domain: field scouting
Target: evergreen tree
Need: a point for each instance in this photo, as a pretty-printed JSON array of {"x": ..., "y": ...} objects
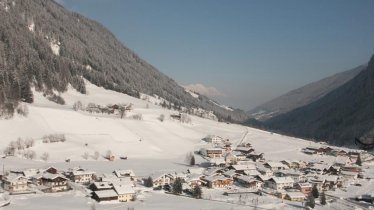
[
  {"x": 192, "y": 160},
  {"x": 197, "y": 192},
  {"x": 310, "y": 202},
  {"x": 177, "y": 186},
  {"x": 359, "y": 161},
  {"x": 148, "y": 182},
  {"x": 322, "y": 198},
  {"x": 315, "y": 192}
]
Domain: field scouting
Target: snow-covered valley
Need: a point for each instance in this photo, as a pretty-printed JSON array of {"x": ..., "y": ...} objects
[{"x": 150, "y": 146}]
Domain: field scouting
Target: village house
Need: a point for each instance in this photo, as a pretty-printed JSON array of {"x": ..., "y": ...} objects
[
  {"x": 239, "y": 155},
  {"x": 249, "y": 182},
  {"x": 275, "y": 166},
  {"x": 213, "y": 139},
  {"x": 81, "y": 176},
  {"x": 220, "y": 162},
  {"x": 256, "y": 157},
  {"x": 54, "y": 183},
  {"x": 332, "y": 170},
  {"x": 125, "y": 174},
  {"x": 212, "y": 152},
  {"x": 294, "y": 164},
  {"x": 195, "y": 170},
  {"x": 218, "y": 181},
  {"x": 244, "y": 150},
  {"x": 311, "y": 150},
  {"x": 262, "y": 178},
  {"x": 305, "y": 187},
  {"x": 231, "y": 158},
  {"x": 317, "y": 181},
  {"x": 162, "y": 179},
  {"x": 231, "y": 173},
  {"x": 318, "y": 168},
  {"x": 339, "y": 152},
  {"x": 213, "y": 171},
  {"x": 194, "y": 180},
  {"x": 279, "y": 183},
  {"x": 15, "y": 183},
  {"x": 343, "y": 161},
  {"x": 98, "y": 186},
  {"x": 125, "y": 193},
  {"x": 264, "y": 171},
  {"x": 295, "y": 196},
  {"x": 332, "y": 182},
  {"x": 105, "y": 195},
  {"x": 51, "y": 170},
  {"x": 241, "y": 169},
  {"x": 297, "y": 176}
]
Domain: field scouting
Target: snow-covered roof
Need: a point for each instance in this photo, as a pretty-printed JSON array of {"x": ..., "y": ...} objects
[
  {"x": 214, "y": 178},
  {"x": 196, "y": 170},
  {"x": 295, "y": 195},
  {"x": 217, "y": 161},
  {"x": 105, "y": 193},
  {"x": 276, "y": 164},
  {"x": 247, "y": 179},
  {"x": 305, "y": 184},
  {"x": 244, "y": 167},
  {"x": 30, "y": 172},
  {"x": 102, "y": 185},
  {"x": 282, "y": 180},
  {"x": 230, "y": 173},
  {"x": 211, "y": 171},
  {"x": 13, "y": 177},
  {"x": 124, "y": 189},
  {"x": 80, "y": 172},
  {"x": 124, "y": 173},
  {"x": 52, "y": 176}
]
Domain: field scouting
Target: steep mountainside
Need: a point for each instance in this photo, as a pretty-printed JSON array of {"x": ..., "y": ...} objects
[
  {"x": 303, "y": 96},
  {"x": 339, "y": 117},
  {"x": 46, "y": 46}
]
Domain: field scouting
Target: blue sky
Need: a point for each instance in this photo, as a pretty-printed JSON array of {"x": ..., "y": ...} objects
[{"x": 250, "y": 51}]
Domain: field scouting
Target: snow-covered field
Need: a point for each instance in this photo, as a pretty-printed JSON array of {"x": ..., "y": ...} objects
[{"x": 149, "y": 144}]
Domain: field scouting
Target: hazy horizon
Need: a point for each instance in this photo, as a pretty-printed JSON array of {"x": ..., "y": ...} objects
[{"x": 245, "y": 52}]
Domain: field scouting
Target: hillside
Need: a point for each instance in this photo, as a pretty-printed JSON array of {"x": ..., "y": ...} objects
[
  {"x": 138, "y": 139},
  {"x": 339, "y": 117},
  {"x": 303, "y": 96},
  {"x": 45, "y": 46}
]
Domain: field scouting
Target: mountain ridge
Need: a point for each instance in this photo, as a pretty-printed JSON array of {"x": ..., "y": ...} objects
[
  {"x": 339, "y": 117},
  {"x": 44, "y": 45},
  {"x": 303, "y": 95}
]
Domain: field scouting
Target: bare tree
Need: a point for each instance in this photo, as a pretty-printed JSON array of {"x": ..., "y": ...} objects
[
  {"x": 137, "y": 117},
  {"x": 45, "y": 156},
  {"x": 77, "y": 106},
  {"x": 108, "y": 154},
  {"x": 161, "y": 117},
  {"x": 96, "y": 155},
  {"x": 122, "y": 110},
  {"x": 85, "y": 155}
]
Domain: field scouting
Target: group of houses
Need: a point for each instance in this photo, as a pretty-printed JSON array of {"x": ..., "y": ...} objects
[
  {"x": 118, "y": 186},
  {"x": 288, "y": 179},
  {"x": 338, "y": 152},
  {"x": 108, "y": 109}
]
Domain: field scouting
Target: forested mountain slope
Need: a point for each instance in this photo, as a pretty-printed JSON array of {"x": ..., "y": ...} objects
[
  {"x": 339, "y": 117},
  {"x": 46, "y": 46},
  {"x": 303, "y": 96}
]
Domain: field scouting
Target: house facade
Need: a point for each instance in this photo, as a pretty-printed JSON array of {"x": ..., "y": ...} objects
[
  {"x": 279, "y": 183},
  {"x": 15, "y": 183},
  {"x": 54, "y": 183},
  {"x": 125, "y": 193}
]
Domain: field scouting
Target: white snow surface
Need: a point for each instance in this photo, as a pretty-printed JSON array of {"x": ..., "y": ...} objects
[{"x": 150, "y": 145}]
